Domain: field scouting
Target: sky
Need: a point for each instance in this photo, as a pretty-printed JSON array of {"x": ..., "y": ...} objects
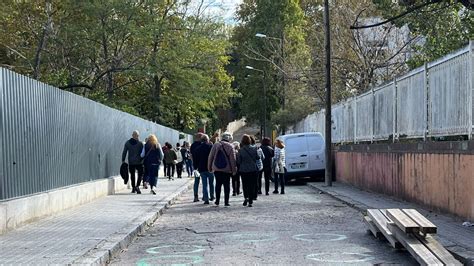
[{"x": 224, "y": 8}]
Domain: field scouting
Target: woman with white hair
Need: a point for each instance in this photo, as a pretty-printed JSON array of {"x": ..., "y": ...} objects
[{"x": 222, "y": 162}]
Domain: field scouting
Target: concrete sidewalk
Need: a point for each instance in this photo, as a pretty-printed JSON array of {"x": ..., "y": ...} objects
[
  {"x": 91, "y": 233},
  {"x": 456, "y": 238}
]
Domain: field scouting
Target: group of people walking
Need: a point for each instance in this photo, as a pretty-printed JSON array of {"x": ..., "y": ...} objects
[
  {"x": 145, "y": 159},
  {"x": 229, "y": 163}
]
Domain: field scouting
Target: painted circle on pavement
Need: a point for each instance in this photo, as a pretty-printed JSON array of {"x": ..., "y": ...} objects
[
  {"x": 175, "y": 249},
  {"x": 320, "y": 237},
  {"x": 171, "y": 260},
  {"x": 343, "y": 257}
]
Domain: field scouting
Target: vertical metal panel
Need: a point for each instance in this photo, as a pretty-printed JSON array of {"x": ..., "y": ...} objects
[
  {"x": 2, "y": 150},
  {"x": 52, "y": 138},
  {"x": 383, "y": 115},
  {"x": 449, "y": 95},
  {"x": 471, "y": 83},
  {"x": 365, "y": 114}
]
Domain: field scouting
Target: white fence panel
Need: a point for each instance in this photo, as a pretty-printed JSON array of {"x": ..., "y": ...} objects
[
  {"x": 337, "y": 123},
  {"x": 364, "y": 117},
  {"x": 411, "y": 104},
  {"x": 450, "y": 95},
  {"x": 384, "y": 100}
]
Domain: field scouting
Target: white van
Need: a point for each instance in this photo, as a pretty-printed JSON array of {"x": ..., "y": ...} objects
[{"x": 304, "y": 154}]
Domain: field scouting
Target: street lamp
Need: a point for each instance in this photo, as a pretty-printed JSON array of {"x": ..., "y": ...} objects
[
  {"x": 264, "y": 98},
  {"x": 282, "y": 65}
]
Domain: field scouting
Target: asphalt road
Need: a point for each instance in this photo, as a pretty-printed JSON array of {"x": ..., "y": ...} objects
[{"x": 299, "y": 228}]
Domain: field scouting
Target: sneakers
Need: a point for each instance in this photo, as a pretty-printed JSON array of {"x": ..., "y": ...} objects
[
  {"x": 138, "y": 190},
  {"x": 206, "y": 202},
  {"x": 259, "y": 192},
  {"x": 134, "y": 190},
  {"x": 152, "y": 191},
  {"x": 282, "y": 192},
  {"x": 196, "y": 198},
  {"x": 266, "y": 193},
  {"x": 212, "y": 198},
  {"x": 275, "y": 192},
  {"x": 233, "y": 194},
  {"x": 245, "y": 202},
  {"x": 217, "y": 203},
  {"x": 227, "y": 205},
  {"x": 250, "y": 205}
]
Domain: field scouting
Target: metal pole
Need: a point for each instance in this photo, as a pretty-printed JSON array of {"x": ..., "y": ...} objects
[
  {"x": 282, "y": 61},
  {"x": 264, "y": 105},
  {"x": 327, "y": 47}
]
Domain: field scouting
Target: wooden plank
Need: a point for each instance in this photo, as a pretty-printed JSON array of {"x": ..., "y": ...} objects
[
  {"x": 372, "y": 227},
  {"x": 405, "y": 223},
  {"x": 438, "y": 250},
  {"x": 380, "y": 220},
  {"x": 417, "y": 249},
  {"x": 426, "y": 227}
]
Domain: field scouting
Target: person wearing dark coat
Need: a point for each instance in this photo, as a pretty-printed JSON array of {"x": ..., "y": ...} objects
[
  {"x": 194, "y": 157},
  {"x": 133, "y": 147},
  {"x": 267, "y": 162},
  {"x": 247, "y": 164},
  {"x": 152, "y": 157}
]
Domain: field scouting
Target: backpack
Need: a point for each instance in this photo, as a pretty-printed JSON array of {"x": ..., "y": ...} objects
[
  {"x": 221, "y": 160},
  {"x": 179, "y": 157}
]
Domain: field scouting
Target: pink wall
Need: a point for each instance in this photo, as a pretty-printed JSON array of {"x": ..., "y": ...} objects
[{"x": 444, "y": 182}]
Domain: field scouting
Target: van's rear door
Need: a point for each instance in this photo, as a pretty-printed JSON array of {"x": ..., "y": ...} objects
[
  {"x": 316, "y": 152},
  {"x": 296, "y": 152}
]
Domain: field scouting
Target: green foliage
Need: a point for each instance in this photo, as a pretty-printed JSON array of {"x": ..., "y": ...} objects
[
  {"x": 155, "y": 59},
  {"x": 284, "y": 21},
  {"x": 446, "y": 26}
]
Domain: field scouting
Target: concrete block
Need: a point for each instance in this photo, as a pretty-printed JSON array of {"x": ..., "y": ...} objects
[
  {"x": 3, "y": 218},
  {"x": 16, "y": 212}
]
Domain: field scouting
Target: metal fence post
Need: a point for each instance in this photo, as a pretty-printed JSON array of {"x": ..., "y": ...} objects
[
  {"x": 373, "y": 116},
  {"x": 471, "y": 65},
  {"x": 2, "y": 150},
  {"x": 427, "y": 103},
  {"x": 355, "y": 119},
  {"x": 395, "y": 108}
]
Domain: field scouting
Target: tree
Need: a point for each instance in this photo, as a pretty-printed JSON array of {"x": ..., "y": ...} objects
[
  {"x": 446, "y": 25},
  {"x": 279, "y": 57},
  {"x": 162, "y": 60}
]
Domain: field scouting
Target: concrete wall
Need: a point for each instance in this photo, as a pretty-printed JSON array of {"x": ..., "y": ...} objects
[
  {"x": 19, "y": 211},
  {"x": 437, "y": 175}
]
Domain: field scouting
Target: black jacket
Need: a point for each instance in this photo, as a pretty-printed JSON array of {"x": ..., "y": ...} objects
[
  {"x": 124, "y": 172},
  {"x": 269, "y": 154},
  {"x": 201, "y": 156}
]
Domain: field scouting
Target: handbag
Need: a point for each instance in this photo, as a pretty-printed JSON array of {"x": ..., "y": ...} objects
[{"x": 175, "y": 162}]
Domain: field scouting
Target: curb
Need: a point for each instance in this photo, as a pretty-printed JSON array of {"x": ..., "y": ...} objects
[
  {"x": 109, "y": 247},
  {"x": 459, "y": 252}
]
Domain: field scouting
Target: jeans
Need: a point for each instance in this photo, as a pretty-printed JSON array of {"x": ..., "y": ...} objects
[
  {"x": 179, "y": 169},
  {"x": 169, "y": 170},
  {"x": 236, "y": 184},
  {"x": 222, "y": 178},
  {"x": 189, "y": 167},
  {"x": 280, "y": 178},
  {"x": 249, "y": 183},
  {"x": 267, "y": 171},
  {"x": 196, "y": 184},
  {"x": 207, "y": 179},
  {"x": 139, "y": 169}
]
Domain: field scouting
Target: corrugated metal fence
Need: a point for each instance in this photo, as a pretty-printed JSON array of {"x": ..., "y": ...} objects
[
  {"x": 51, "y": 138},
  {"x": 431, "y": 101}
]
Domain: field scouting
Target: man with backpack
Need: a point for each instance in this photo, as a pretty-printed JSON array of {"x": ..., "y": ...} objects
[
  {"x": 223, "y": 164},
  {"x": 179, "y": 159}
]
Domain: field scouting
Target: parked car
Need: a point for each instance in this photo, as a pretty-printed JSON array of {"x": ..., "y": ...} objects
[{"x": 305, "y": 154}]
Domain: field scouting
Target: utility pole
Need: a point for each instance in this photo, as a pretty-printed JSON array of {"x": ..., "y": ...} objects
[
  {"x": 327, "y": 47},
  {"x": 283, "y": 80}
]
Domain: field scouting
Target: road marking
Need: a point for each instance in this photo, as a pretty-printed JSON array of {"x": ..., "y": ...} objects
[
  {"x": 319, "y": 237},
  {"x": 254, "y": 237},
  {"x": 173, "y": 260},
  {"x": 158, "y": 250},
  {"x": 353, "y": 257}
]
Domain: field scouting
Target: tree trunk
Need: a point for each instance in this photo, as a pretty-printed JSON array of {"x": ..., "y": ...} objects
[
  {"x": 42, "y": 41},
  {"x": 157, "y": 96}
]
